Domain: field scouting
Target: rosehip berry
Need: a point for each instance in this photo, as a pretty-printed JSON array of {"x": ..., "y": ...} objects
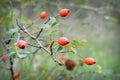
[
  {"x": 21, "y": 44},
  {"x": 4, "y": 57},
  {"x": 64, "y": 12},
  {"x": 43, "y": 15},
  {"x": 70, "y": 64},
  {"x": 61, "y": 58},
  {"x": 63, "y": 41},
  {"x": 15, "y": 75},
  {"x": 90, "y": 61}
]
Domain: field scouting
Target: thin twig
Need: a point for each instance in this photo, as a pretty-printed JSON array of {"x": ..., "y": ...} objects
[
  {"x": 32, "y": 23},
  {"x": 39, "y": 33},
  {"x": 33, "y": 45},
  {"x": 25, "y": 30},
  {"x": 11, "y": 62},
  {"x": 37, "y": 40},
  {"x": 11, "y": 68},
  {"x": 47, "y": 21}
]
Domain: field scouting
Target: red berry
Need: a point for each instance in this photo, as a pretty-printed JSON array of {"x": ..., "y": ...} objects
[
  {"x": 15, "y": 75},
  {"x": 21, "y": 44},
  {"x": 43, "y": 15},
  {"x": 61, "y": 58},
  {"x": 62, "y": 41},
  {"x": 4, "y": 57},
  {"x": 90, "y": 61},
  {"x": 64, "y": 12}
]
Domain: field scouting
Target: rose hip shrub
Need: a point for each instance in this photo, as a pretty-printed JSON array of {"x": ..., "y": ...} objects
[{"x": 28, "y": 36}]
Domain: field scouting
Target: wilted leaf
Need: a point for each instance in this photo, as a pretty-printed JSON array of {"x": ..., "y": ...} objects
[
  {"x": 99, "y": 69},
  {"x": 81, "y": 61}
]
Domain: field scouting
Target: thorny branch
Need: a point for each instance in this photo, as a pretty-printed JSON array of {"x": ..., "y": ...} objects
[
  {"x": 33, "y": 45},
  {"x": 39, "y": 33},
  {"x": 24, "y": 29},
  {"x": 11, "y": 68},
  {"x": 11, "y": 61}
]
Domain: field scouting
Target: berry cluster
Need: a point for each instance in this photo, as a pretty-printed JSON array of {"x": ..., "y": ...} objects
[{"x": 62, "y": 13}]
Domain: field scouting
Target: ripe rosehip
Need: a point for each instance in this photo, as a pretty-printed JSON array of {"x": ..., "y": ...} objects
[
  {"x": 21, "y": 44},
  {"x": 43, "y": 15},
  {"x": 90, "y": 61},
  {"x": 4, "y": 57},
  {"x": 64, "y": 12},
  {"x": 61, "y": 58},
  {"x": 70, "y": 64},
  {"x": 15, "y": 75},
  {"x": 63, "y": 41}
]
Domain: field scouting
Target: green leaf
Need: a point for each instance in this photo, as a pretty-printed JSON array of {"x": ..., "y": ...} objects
[
  {"x": 22, "y": 56},
  {"x": 13, "y": 30},
  {"x": 52, "y": 21},
  {"x": 61, "y": 24},
  {"x": 59, "y": 48},
  {"x": 79, "y": 42},
  {"x": 70, "y": 47},
  {"x": 11, "y": 53},
  {"x": 45, "y": 26},
  {"x": 53, "y": 24},
  {"x": 25, "y": 52},
  {"x": 54, "y": 32},
  {"x": 113, "y": 19}
]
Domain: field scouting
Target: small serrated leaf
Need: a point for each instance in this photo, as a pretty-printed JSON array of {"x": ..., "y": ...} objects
[
  {"x": 45, "y": 26},
  {"x": 13, "y": 30},
  {"x": 22, "y": 56},
  {"x": 11, "y": 53},
  {"x": 70, "y": 47},
  {"x": 61, "y": 24},
  {"x": 26, "y": 52},
  {"x": 54, "y": 31},
  {"x": 59, "y": 48},
  {"x": 84, "y": 41},
  {"x": 53, "y": 24},
  {"x": 52, "y": 21},
  {"x": 79, "y": 43}
]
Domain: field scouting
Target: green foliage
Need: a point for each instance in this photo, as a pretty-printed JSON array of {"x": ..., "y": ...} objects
[
  {"x": 13, "y": 30},
  {"x": 40, "y": 66}
]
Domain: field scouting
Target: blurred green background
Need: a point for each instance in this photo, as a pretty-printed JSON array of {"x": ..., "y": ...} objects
[{"x": 97, "y": 21}]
